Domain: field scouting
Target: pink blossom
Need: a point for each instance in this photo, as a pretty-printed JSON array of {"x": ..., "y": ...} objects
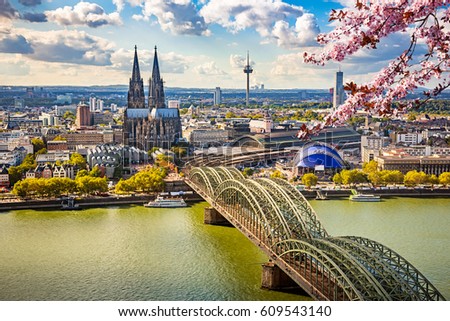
[{"x": 427, "y": 21}]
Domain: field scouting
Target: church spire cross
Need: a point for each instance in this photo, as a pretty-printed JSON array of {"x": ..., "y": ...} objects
[
  {"x": 136, "y": 96},
  {"x": 136, "y": 76}
]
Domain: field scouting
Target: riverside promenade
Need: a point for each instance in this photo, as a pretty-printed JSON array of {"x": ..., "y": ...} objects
[{"x": 179, "y": 185}]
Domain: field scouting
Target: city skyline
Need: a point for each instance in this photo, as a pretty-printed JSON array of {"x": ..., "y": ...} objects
[{"x": 201, "y": 43}]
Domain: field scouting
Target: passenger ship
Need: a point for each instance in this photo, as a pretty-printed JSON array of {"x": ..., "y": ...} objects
[
  {"x": 358, "y": 197},
  {"x": 166, "y": 202}
]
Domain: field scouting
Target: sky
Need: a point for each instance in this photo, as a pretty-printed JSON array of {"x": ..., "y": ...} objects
[{"x": 201, "y": 43}]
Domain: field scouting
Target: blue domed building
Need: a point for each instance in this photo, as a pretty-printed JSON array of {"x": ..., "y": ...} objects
[{"x": 318, "y": 157}]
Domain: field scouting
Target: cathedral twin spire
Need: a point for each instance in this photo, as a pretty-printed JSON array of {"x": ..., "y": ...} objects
[{"x": 136, "y": 96}]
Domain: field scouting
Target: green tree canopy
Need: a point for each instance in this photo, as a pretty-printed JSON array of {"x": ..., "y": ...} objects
[
  {"x": 444, "y": 178},
  {"x": 354, "y": 176},
  {"x": 78, "y": 160},
  {"x": 247, "y": 172},
  {"x": 277, "y": 174},
  {"x": 337, "y": 178},
  {"x": 413, "y": 178},
  {"x": 38, "y": 144},
  {"x": 230, "y": 114},
  {"x": 60, "y": 138},
  {"x": 309, "y": 180}
]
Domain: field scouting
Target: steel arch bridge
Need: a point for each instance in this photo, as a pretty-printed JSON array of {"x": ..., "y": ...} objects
[{"x": 275, "y": 216}]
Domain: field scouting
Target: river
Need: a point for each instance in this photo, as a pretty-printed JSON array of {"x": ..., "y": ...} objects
[{"x": 137, "y": 253}]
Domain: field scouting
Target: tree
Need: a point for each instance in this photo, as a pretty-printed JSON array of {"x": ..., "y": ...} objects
[
  {"x": 309, "y": 180},
  {"x": 247, "y": 172},
  {"x": 230, "y": 114},
  {"x": 21, "y": 188},
  {"x": 60, "y": 138},
  {"x": 179, "y": 151},
  {"x": 413, "y": 178},
  {"x": 365, "y": 26},
  {"x": 82, "y": 173},
  {"x": 337, "y": 179},
  {"x": 163, "y": 160},
  {"x": 28, "y": 163},
  {"x": 433, "y": 179},
  {"x": 277, "y": 174},
  {"x": 354, "y": 176},
  {"x": 41, "y": 151},
  {"x": 77, "y": 159},
  {"x": 412, "y": 116},
  {"x": 148, "y": 180},
  {"x": 69, "y": 115},
  {"x": 444, "y": 178},
  {"x": 124, "y": 186},
  {"x": 392, "y": 177},
  {"x": 95, "y": 172},
  {"x": 15, "y": 174},
  {"x": 370, "y": 167},
  {"x": 38, "y": 144}
]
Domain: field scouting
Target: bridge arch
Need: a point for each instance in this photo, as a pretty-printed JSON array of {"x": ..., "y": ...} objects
[{"x": 276, "y": 217}]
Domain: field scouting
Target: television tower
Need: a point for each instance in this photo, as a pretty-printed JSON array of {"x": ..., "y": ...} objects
[{"x": 247, "y": 70}]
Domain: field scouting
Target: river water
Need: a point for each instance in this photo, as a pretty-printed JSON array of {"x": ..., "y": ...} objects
[{"x": 137, "y": 253}]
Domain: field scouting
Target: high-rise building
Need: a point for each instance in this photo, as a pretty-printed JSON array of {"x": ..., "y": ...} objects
[
  {"x": 217, "y": 96},
  {"x": 247, "y": 70},
  {"x": 154, "y": 125},
  {"x": 99, "y": 105},
  {"x": 83, "y": 115},
  {"x": 92, "y": 104},
  {"x": 338, "y": 91}
]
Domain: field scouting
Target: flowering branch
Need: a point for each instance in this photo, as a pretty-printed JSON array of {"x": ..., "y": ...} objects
[{"x": 427, "y": 22}]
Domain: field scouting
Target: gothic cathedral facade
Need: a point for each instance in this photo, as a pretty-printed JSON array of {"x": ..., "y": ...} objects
[{"x": 153, "y": 125}]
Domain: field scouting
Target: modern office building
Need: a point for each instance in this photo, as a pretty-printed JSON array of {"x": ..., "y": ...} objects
[
  {"x": 217, "y": 96},
  {"x": 338, "y": 91}
]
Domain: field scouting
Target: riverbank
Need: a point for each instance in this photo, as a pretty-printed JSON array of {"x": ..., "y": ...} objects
[
  {"x": 87, "y": 202},
  {"x": 400, "y": 192},
  {"x": 118, "y": 200}
]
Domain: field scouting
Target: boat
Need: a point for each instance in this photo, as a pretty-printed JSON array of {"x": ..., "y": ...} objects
[
  {"x": 160, "y": 201},
  {"x": 358, "y": 197},
  {"x": 69, "y": 204},
  {"x": 320, "y": 196}
]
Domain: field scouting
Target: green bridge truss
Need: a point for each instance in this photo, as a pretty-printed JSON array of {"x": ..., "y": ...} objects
[{"x": 275, "y": 216}]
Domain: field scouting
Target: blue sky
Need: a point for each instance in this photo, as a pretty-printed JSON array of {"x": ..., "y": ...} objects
[{"x": 201, "y": 43}]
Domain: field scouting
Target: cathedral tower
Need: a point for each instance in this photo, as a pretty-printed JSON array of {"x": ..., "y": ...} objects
[
  {"x": 156, "y": 87},
  {"x": 155, "y": 126},
  {"x": 136, "y": 96}
]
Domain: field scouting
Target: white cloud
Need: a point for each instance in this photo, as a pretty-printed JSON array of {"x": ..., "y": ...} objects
[
  {"x": 83, "y": 13},
  {"x": 13, "y": 66},
  {"x": 303, "y": 34},
  {"x": 68, "y": 46},
  {"x": 238, "y": 61},
  {"x": 176, "y": 16},
  {"x": 139, "y": 17},
  {"x": 172, "y": 62},
  {"x": 119, "y": 4},
  {"x": 209, "y": 69},
  {"x": 270, "y": 18}
]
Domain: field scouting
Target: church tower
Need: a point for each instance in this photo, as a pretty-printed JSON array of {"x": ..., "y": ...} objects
[
  {"x": 156, "y": 87},
  {"x": 155, "y": 125},
  {"x": 136, "y": 96}
]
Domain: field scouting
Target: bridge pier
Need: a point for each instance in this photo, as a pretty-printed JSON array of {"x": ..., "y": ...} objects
[
  {"x": 274, "y": 278},
  {"x": 213, "y": 217}
]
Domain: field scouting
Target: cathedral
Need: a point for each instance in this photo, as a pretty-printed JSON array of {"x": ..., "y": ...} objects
[{"x": 153, "y": 125}]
